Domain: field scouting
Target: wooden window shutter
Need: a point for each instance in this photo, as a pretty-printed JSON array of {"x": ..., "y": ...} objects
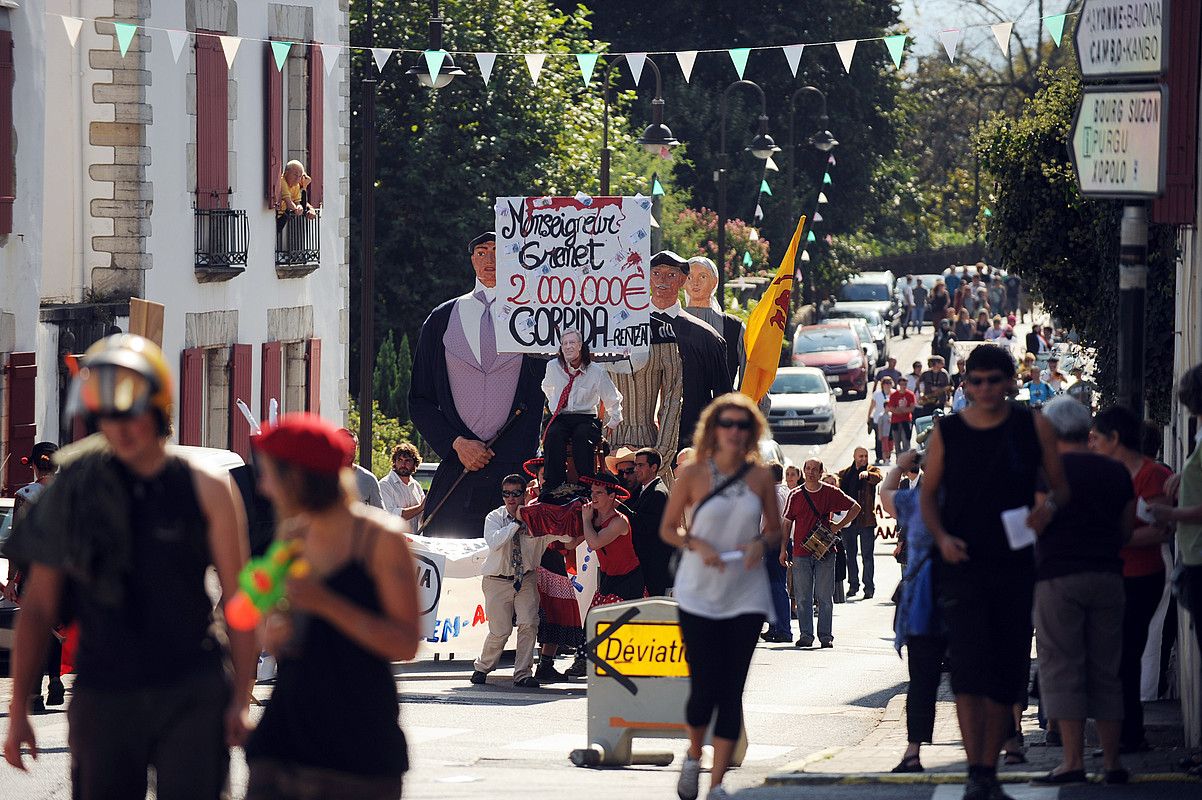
[
  {"x": 22, "y": 372},
  {"x": 191, "y": 395},
  {"x": 240, "y": 389},
  {"x": 274, "y": 93},
  {"x": 212, "y": 121},
  {"x": 8, "y": 178},
  {"x": 1177, "y": 206},
  {"x": 316, "y": 104},
  {"x": 271, "y": 381},
  {"x": 313, "y": 377}
]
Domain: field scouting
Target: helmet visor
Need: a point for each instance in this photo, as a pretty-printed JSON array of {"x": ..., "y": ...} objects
[{"x": 107, "y": 390}]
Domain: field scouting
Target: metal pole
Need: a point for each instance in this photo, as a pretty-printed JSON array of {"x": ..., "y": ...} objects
[
  {"x": 1133, "y": 282},
  {"x": 367, "y": 308},
  {"x": 720, "y": 176}
]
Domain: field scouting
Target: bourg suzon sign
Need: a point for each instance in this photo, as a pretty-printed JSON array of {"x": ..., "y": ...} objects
[{"x": 573, "y": 262}]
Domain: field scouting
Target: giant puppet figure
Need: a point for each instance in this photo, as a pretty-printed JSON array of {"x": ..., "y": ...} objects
[
  {"x": 700, "y": 290},
  {"x": 463, "y": 394}
]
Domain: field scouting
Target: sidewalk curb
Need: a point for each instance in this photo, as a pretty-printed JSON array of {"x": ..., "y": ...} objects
[{"x": 932, "y": 778}]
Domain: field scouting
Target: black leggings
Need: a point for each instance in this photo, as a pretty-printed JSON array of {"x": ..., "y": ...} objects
[
  {"x": 719, "y": 654},
  {"x": 924, "y": 657},
  {"x": 1142, "y": 597}
]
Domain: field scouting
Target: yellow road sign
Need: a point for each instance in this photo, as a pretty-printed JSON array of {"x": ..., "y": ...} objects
[{"x": 643, "y": 650}]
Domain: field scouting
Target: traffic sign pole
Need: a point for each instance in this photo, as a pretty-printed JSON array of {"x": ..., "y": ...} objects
[{"x": 1133, "y": 283}]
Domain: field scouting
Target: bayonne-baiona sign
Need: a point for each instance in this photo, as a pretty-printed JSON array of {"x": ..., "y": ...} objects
[
  {"x": 1123, "y": 38},
  {"x": 1117, "y": 141}
]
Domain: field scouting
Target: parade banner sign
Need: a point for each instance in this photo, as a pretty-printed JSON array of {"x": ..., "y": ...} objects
[{"x": 573, "y": 262}]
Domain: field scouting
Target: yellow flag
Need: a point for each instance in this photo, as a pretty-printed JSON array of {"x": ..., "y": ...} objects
[{"x": 766, "y": 326}]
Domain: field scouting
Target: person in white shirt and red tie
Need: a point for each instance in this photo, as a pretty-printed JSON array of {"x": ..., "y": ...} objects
[{"x": 575, "y": 386}]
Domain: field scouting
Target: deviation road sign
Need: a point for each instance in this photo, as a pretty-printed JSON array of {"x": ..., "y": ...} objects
[
  {"x": 1123, "y": 38},
  {"x": 1118, "y": 141}
]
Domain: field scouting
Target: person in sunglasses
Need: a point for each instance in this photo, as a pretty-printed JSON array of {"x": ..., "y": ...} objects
[
  {"x": 128, "y": 531},
  {"x": 986, "y": 584}
]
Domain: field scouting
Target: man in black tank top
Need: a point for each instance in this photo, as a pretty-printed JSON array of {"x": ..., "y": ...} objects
[
  {"x": 121, "y": 543},
  {"x": 985, "y": 585}
]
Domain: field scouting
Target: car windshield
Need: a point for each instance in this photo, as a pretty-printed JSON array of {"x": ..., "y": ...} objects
[
  {"x": 869, "y": 316},
  {"x": 798, "y": 383},
  {"x": 861, "y": 292},
  {"x": 824, "y": 341}
]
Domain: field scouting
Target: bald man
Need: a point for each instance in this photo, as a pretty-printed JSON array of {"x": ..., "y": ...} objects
[{"x": 859, "y": 482}]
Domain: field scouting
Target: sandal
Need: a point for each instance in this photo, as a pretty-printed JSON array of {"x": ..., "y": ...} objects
[
  {"x": 909, "y": 764},
  {"x": 1012, "y": 757}
]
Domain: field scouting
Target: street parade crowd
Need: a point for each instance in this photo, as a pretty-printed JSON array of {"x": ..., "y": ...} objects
[{"x": 653, "y": 464}]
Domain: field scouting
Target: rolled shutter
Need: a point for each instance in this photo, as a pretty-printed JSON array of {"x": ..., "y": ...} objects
[
  {"x": 274, "y": 94},
  {"x": 212, "y": 120},
  {"x": 240, "y": 389},
  {"x": 8, "y": 177},
  {"x": 313, "y": 377},
  {"x": 191, "y": 396},
  {"x": 272, "y": 381},
  {"x": 22, "y": 372},
  {"x": 316, "y": 104}
]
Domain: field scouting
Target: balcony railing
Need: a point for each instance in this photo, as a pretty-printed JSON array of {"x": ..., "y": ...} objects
[
  {"x": 222, "y": 242},
  {"x": 298, "y": 244}
]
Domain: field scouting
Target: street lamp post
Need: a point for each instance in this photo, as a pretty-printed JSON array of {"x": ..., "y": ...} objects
[
  {"x": 822, "y": 140},
  {"x": 448, "y": 72},
  {"x": 656, "y": 136},
  {"x": 762, "y": 147}
]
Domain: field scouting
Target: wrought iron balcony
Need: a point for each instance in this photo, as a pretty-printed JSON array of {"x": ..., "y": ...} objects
[
  {"x": 222, "y": 242},
  {"x": 298, "y": 245}
]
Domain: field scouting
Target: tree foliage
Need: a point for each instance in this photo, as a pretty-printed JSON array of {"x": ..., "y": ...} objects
[{"x": 391, "y": 378}]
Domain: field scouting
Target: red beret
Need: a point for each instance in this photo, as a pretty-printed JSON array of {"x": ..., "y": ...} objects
[{"x": 306, "y": 441}]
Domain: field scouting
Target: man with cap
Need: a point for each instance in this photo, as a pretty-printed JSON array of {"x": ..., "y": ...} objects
[
  {"x": 464, "y": 393},
  {"x": 700, "y": 290},
  {"x": 128, "y": 530}
]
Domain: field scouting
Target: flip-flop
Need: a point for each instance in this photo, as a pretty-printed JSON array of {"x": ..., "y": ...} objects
[{"x": 909, "y": 764}]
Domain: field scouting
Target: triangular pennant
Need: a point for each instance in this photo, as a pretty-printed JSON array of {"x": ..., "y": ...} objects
[
  {"x": 822, "y": 198},
  {"x": 765, "y": 188},
  {"x": 738, "y": 57},
  {"x": 654, "y": 224},
  {"x": 485, "y": 62},
  {"x": 657, "y": 188},
  {"x": 534, "y": 63},
  {"x": 381, "y": 56},
  {"x": 817, "y": 218},
  {"x": 230, "y": 45},
  {"x": 793, "y": 56},
  {"x": 951, "y": 40},
  {"x": 1001, "y": 32},
  {"x": 897, "y": 47},
  {"x": 805, "y": 256},
  {"x": 831, "y": 159},
  {"x": 846, "y": 49},
  {"x": 759, "y": 213},
  {"x": 686, "y": 58},
  {"x": 988, "y": 213},
  {"x": 747, "y": 258},
  {"x": 635, "y": 61},
  {"x": 178, "y": 40},
  {"x": 826, "y": 179},
  {"x": 810, "y": 237},
  {"x": 588, "y": 63},
  {"x": 1055, "y": 26},
  {"x": 770, "y": 165},
  {"x": 329, "y": 55},
  {"x": 753, "y": 236},
  {"x": 125, "y": 35},
  {"x": 434, "y": 60},
  {"x": 73, "y": 26},
  {"x": 279, "y": 50}
]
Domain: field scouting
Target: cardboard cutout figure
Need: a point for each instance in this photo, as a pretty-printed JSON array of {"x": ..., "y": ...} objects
[{"x": 700, "y": 290}]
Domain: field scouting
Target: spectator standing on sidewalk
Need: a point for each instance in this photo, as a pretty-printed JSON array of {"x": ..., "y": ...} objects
[
  {"x": 365, "y": 481},
  {"x": 985, "y": 586},
  {"x": 1116, "y": 433},
  {"x": 400, "y": 492},
  {"x": 1079, "y": 598},
  {"x": 901, "y": 415},
  {"x": 859, "y": 481},
  {"x": 918, "y": 312},
  {"x": 907, "y": 298},
  {"x": 352, "y": 613},
  {"x": 878, "y": 414}
]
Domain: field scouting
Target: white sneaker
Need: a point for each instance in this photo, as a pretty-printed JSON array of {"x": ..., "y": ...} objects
[
  {"x": 686, "y": 785},
  {"x": 717, "y": 793}
]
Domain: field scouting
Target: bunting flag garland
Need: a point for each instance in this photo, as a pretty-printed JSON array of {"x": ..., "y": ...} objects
[
  {"x": 73, "y": 25},
  {"x": 1001, "y": 32},
  {"x": 279, "y": 50},
  {"x": 951, "y": 41},
  {"x": 657, "y": 188},
  {"x": 587, "y": 62},
  {"x": 381, "y": 56},
  {"x": 754, "y": 236},
  {"x": 177, "y": 40},
  {"x": 329, "y": 55},
  {"x": 434, "y": 60},
  {"x": 810, "y": 237},
  {"x": 817, "y": 218},
  {"x": 636, "y": 61},
  {"x": 125, "y": 35},
  {"x": 897, "y": 47},
  {"x": 486, "y": 60},
  {"x": 822, "y": 195},
  {"x": 747, "y": 258},
  {"x": 826, "y": 179},
  {"x": 847, "y": 49},
  {"x": 686, "y": 59},
  {"x": 1055, "y": 26},
  {"x": 738, "y": 57},
  {"x": 534, "y": 63},
  {"x": 805, "y": 256},
  {"x": 759, "y": 213},
  {"x": 770, "y": 165},
  {"x": 764, "y": 189},
  {"x": 831, "y": 159},
  {"x": 793, "y": 56},
  {"x": 230, "y": 45}
]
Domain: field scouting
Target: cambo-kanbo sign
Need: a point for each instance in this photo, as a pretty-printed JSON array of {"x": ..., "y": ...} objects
[
  {"x": 573, "y": 262},
  {"x": 1118, "y": 141},
  {"x": 1123, "y": 38}
]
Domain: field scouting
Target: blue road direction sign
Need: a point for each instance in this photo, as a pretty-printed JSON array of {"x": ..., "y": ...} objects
[
  {"x": 1118, "y": 141},
  {"x": 1123, "y": 39}
]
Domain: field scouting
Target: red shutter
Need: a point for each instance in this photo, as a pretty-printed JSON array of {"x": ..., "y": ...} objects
[
  {"x": 317, "y": 76},
  {"x": 313, "y": 377},
  {"x": 212, "y": 120},
  {"x": 22, "y": 372},
  {"x": 191, "y": 395},
  {"x": 240, "y": 388},
  {"x": 272, "y": 384},
  {"x": 1177, "y": 205},
  {"x": 274, "y": 94},
  {"x": 8, "y": 178}
]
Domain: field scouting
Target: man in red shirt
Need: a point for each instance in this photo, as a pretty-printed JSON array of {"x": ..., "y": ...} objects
[
  {"x": 812, "y": 502},
  {"x": 901, "y": 415}
]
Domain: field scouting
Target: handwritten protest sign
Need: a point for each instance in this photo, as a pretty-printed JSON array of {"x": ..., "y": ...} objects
[{"x": 573, "y": 262}]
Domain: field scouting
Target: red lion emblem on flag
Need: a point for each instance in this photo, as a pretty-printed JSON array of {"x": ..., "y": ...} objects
[{"x": 782, "y": 309}]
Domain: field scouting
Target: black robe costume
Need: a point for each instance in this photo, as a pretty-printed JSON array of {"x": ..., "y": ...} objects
[{"x": 703, "y": 364}]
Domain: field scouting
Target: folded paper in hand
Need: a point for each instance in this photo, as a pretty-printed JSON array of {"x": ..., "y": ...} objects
[{"x": 1018, "y": 533}]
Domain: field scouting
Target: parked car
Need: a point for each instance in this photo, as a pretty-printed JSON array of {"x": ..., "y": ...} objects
[
  {"x": 770, "y": 450},
  {"x": 875, "y": 291},
  {"x": 836, "y": 350},
  {"x": 862, "y": 330},
  {"x": 802, "y": 402},
  {"x": 877, "y": 325}
]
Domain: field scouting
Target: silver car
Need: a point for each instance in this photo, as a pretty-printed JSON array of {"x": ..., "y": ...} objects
[{"x": 802, "y": 403}]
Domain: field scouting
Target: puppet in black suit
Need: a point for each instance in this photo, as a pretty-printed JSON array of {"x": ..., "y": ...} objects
[
  {"x": 463, "y": 392},
  {"x": 702, "y": 303}
]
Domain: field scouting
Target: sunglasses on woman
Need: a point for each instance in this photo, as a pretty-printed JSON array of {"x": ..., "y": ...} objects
[{"x": 741, "y": 424}]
